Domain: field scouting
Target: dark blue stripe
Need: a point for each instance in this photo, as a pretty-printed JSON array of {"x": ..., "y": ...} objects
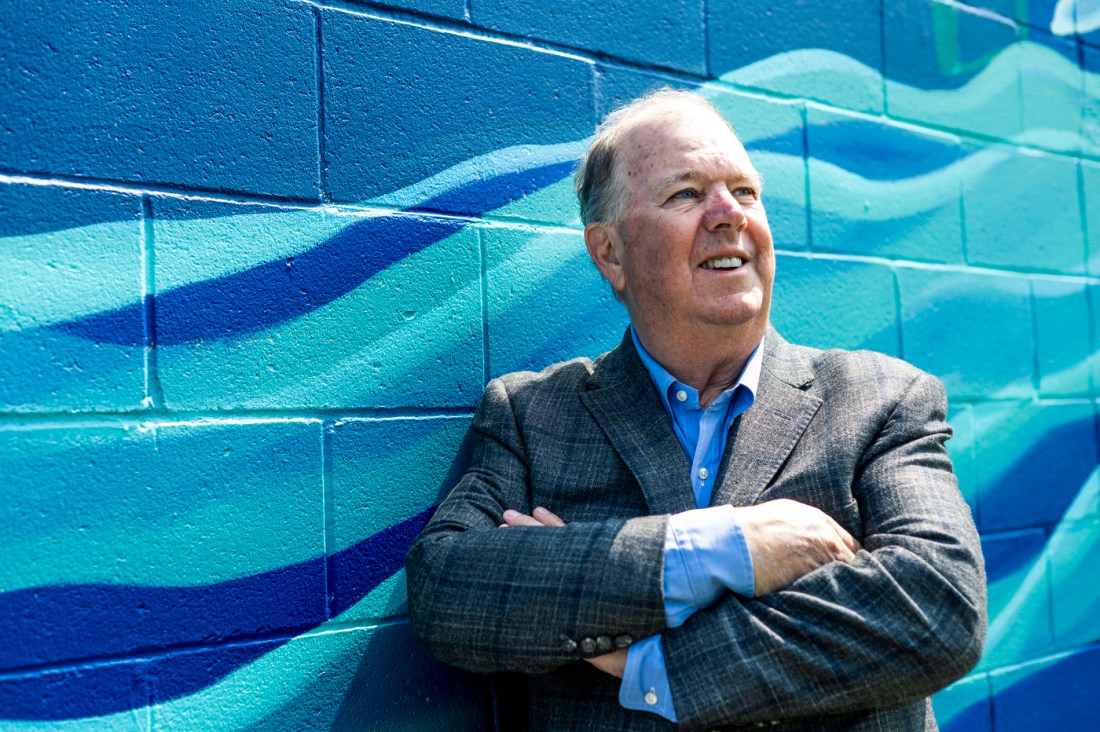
[
  {"x": 275, "y": 292},
  {"x": 88, "y": 621}
]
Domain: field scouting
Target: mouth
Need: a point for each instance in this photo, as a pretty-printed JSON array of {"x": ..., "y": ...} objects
[{"x": 723, "y": 263}]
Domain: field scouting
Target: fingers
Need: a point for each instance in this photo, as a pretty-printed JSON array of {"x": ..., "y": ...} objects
[
  {"x": 540, "y": 517},
  {"x": 547, "y": 518},
  {"x": 613, "y": 663},
  {"x": 788, "y": 539}
]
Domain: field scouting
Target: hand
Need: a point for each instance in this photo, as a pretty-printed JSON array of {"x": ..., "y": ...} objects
[
  {"x": 788, "y": 539},
  {"x": 539, "y": 517},
  {"x": 613, "y": 663}
]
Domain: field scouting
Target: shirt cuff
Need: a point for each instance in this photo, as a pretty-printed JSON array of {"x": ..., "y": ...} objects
[
  {"x": 645, "y": 681},
  {"x": 705, "y": 555}
]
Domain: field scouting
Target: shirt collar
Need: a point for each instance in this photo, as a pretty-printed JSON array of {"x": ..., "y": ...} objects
[{"x": 667, "y": 384}]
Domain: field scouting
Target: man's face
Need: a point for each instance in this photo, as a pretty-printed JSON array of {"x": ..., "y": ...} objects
[{"x": 693, "y": 243}]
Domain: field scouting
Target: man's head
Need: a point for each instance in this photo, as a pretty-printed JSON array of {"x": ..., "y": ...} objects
[{"x": 673, "y": 218}]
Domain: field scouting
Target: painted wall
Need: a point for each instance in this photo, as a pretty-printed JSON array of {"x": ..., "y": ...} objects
[{"x": 257, "y": 261}]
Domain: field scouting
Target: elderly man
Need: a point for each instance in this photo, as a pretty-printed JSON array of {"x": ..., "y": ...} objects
[{"x": 707, "y": 526}]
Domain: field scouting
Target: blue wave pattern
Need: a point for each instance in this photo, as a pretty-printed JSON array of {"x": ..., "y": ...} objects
[
  {"x": 106, "y": 620},
  {"x": 888, "y": 198}
]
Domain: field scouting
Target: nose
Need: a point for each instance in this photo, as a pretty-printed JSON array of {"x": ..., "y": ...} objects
[{"x": 724, "y": 212}]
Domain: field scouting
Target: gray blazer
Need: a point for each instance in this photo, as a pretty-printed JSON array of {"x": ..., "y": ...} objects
[{"x": 856, "y": 646}]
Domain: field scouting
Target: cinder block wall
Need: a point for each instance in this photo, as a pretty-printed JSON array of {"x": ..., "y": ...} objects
[{"x": 257, "y": 261}]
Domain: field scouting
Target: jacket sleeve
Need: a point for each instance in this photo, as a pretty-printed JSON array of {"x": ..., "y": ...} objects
[
  {"x": 904, "y": 619},
  {"x": 525, "y": 599}
]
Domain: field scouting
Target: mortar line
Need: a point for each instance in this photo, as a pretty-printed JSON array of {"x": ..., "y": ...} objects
[
  {"x": 322, "y": 166},
  {"x": 154, "y": 394},
  {"x": 804, "y": 113},
  {"x": 229, "y": 195},
  {"x": 140, "y": 418},
  {"x": 484, "y": 281},
  {"x": 328, "y": 504},
  {"x": 1033, "y": 311},
  {"x": 898, "y": 312},
  {"x": 882, "y": 56}
]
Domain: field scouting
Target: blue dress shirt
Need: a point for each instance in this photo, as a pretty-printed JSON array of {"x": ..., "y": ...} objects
[{"x": 705, "y": 550}]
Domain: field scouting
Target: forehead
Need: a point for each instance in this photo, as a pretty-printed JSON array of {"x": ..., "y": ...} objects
[{"x": 679, "y": 143}]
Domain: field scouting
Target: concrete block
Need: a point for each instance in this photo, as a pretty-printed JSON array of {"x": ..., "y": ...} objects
[
  {"x": 1051, "y": 89},
  {"x": 1032, "y": 461},
  {"x": 882, "y": 189},
  {"x": 1093, "y": 293},
  {"x": 934, "y": 55},
  {"x": 306, "y": 308},
  {"x": 546, "y": 300},
  {"x": 138, "y": 538},
  {"x": 1088, "y": 28},
  {"x": 670, "y": 35},
  {"x": 1063, "y": 337},
  {"x": 961, "y": 450},
  {"x": 206, "y": 94},
  {"x": 1055, "y": 693},
  {"x": 111, "y": 696},
  {"x": 1020, "y": 191},
  {"x": 1037, "y": 13},
  {"x": 386, "y": 475},
  {"x": 1004, "y": 8},
  {"x": 617, "y": 85},
  {"x": 436, "y": 99},
  {"x": 1019, "y": 598},
  {"x": 1074, "y": 556},
  {"x": 754, "y": 44},
  {"x": 812, "y": 304},
  {"x": 1090, "y": 205},
  {"x": 972, "y": 330},
  {"x": 965, "y": 706},
  {"x": 447, "y": 8},
  {"x": 1090, "y": 111},
  {"x": 70, "y": 256},
  {"x": 348, "y": 679}
]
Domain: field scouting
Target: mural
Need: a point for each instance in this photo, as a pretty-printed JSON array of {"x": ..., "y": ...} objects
[{"x": 234, "y": 379}]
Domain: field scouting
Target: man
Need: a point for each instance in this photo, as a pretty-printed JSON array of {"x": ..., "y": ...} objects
[{"x": 707, "y": 526}]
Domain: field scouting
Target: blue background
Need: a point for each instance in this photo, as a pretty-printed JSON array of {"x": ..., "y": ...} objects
[{"x": 258, "y": 260}]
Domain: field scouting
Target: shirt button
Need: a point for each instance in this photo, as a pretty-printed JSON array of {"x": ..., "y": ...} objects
[
  {"x": 603, "y": 642},
  {"x": 681, "y": 396},
  {"x": 651, "y": 697},
  {"x": 703, "y": 473},
  {"x": 623, "y": 641},
  {"x": 588, "y": 645},
  {"x": 569, "y": 645}
]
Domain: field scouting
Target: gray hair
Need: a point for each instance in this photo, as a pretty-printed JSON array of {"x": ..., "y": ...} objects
[{"x": 595, "y": 181}]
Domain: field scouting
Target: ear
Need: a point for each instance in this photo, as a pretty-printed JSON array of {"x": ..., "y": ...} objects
[{"x": 604, "y": 247}]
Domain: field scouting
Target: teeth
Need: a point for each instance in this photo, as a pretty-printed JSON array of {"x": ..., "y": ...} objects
[{"x": 723, "y": 263}]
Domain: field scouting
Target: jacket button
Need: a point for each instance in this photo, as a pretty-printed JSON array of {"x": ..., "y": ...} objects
[
  {"x": 569, "y": 645},
  {"x": 587, "y": 645},
  {"x": 603, "y": 642},
  {"x": 623, "y": 641}
]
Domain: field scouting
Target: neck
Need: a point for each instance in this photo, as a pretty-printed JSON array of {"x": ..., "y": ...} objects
[{"x": 709, "y": 362}]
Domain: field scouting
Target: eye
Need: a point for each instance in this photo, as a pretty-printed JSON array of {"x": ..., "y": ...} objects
[
  {"x": 744, "y": 192},
  {"x": 686, "y": 193}
]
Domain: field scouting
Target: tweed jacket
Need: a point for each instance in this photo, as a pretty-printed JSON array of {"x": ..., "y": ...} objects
[{"x": 856, "y": 646}]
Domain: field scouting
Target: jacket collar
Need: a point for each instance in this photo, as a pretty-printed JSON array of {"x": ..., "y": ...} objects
[{"x": 621, "y": 398}]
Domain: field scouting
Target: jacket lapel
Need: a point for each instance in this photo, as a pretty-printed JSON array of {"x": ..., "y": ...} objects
[
  {"x": 761, "y": 439},
  {"x": 623, "y": 401}
]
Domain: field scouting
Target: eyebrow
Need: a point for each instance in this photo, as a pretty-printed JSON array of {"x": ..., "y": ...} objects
[{"x": 693, "y": 175}]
